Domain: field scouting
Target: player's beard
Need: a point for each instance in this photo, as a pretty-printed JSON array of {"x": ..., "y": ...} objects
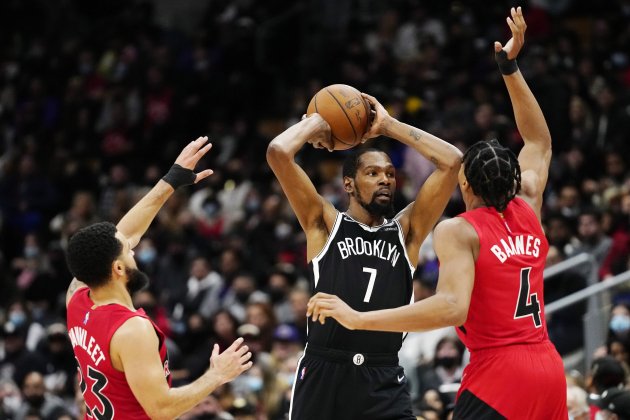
[
  {"x": 374, "y": 207},
  {"x": 136, "y": 280}
]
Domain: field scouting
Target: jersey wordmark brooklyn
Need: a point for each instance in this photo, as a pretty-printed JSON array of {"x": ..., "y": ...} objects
[{"x": 368, "y": 268}]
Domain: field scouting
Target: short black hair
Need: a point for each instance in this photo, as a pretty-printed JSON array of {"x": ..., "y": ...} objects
[
  {"x": 91, "y": 252},
  {"x": 351, "y": 163},
  {"x": 493, "y": 172}
]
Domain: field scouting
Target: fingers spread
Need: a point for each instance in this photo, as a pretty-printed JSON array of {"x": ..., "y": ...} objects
[
  {"x": 236, "y": 344},
  {"x": 203, "y": 174},
  {"x": 203, "y": 151},
  {"x": 244, "y": 358}
]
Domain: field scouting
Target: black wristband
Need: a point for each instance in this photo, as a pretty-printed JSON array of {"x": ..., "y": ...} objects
[
  {"x": 179, "y": 177},
  {"x": 506, "y": 66}
]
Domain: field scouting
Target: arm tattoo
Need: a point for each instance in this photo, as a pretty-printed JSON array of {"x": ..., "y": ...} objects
[{"x": 415, "y": 134}]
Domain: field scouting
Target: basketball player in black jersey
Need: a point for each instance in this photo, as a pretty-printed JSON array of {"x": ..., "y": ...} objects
[{"x": 365, "y": 259}]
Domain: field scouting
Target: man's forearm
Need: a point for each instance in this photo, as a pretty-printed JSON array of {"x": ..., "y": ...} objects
[
  {"x": 437, "y": 311},
  {"x": 137, "y": 220},
  {"x": 184, "y": 398},
  {"x": 293, "y": 138},
  {"x": 529, "y": 117},
  {"x": 442, "y": 154}
]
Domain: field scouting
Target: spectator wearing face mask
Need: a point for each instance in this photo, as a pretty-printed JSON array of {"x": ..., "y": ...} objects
[
  {"x": 446, "y": 369},
  {"x": 37, "y": 400},
  {"x": 619, "y": 325}
]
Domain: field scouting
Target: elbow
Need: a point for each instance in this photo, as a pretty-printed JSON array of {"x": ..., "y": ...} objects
[
  {"x": 160, "y": 410},
  {"x": 276, "y": 153},
  {"x": 160, "y": 414},
  {"x": 454, "y": 160},
  {"x": 456, "y": 310}
]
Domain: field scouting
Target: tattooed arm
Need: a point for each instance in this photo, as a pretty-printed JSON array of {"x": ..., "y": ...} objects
[{"x": 419, "y": 217}]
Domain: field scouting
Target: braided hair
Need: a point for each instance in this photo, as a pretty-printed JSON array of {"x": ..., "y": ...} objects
[{"x": 493, "y": 173}]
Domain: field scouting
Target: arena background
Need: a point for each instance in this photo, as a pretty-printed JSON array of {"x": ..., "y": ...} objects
[{"x": 97, "y": 98}]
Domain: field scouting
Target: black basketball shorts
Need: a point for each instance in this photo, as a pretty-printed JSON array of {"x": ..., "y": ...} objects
[{"x": 338, "y": 385}]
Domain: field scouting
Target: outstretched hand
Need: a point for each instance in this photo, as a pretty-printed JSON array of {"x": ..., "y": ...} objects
[
  {"x": 323, "y": 305},
  {"x": 191, "y": 154},
  {"x": 232, "y": 362},
  {"x": 518, "y": 26}
]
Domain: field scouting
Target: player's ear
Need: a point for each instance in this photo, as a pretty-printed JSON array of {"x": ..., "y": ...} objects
[
  {"x": 348, "y": 184},
  {"x": 118, "y": 267}
]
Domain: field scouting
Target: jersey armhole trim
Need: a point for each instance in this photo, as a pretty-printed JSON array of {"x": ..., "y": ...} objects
[
  {"x": 331, "y": 235},
  {"x": 81, "y": 289},
  {"x": 402, "y": 243},
  {"x": 474, "y": 225},
  {"x": 523, "y": 203}
]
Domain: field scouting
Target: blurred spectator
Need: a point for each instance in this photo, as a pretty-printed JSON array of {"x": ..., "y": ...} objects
[
  {"x": 286, "y": 343},
  {"x": 61, "y": 366},
  {"x": 261, "y": 315},
  {"x": 10, "y": 398},
  {"x": 204, "y": 288},
  {"x": 576, "y": 403},
  {"x": 444, "y": 371},
  {"x": 615, "y": 404},
  {"x": 278, "y": 287},
  {"x": 224, "y": 326},
  {"x": 593, "y": 239},
  {"x": 16, "y": 360},
  {"x": 605, "y": 373},
  {"x": 37, "y": 401},
  {"x": 242, "y": 291},
  {"x": 91, "y": 102}
]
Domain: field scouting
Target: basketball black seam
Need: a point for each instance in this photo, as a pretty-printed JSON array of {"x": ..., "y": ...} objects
[
  {"x": 344, "y": 113},
  {"x": 315, "y": 103},
  {"x": 367, "y": 113}
]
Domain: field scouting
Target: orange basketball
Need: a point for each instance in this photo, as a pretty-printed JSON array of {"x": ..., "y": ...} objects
[{"x": 345, "y": 110}]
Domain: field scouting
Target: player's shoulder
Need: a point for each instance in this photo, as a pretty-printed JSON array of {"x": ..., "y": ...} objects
[
  {"x": 456, "y": 227},
  {"x": 133, "y": 328}
]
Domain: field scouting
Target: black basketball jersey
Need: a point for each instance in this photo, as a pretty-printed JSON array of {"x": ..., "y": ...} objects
[{"x": 368, "y": 268}]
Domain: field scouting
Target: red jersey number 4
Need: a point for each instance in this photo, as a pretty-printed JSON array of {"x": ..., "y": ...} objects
[{"x": 527, "y": 303}]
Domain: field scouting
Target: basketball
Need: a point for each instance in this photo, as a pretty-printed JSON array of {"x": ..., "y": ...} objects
[{"x": 345, "y": 111}]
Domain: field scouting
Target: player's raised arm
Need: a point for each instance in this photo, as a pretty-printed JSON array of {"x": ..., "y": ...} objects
[
  {"x": 312, "y": 211},
  {"x": 419, "y": 218},
  {"x": 137, "y": 220},
  {"x": 535, "y": 156}
]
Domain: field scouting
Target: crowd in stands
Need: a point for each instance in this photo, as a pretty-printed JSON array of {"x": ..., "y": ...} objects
[{"x": 97, "y": 100}]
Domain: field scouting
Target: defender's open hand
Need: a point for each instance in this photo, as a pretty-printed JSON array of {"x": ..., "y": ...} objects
[
  {"x": 191, "y": 154},
  {"x": 517, "y": 25}
]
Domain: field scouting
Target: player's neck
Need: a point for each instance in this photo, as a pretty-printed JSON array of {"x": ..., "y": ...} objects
[
  {"x": 360, "y": 214},
  {"x": 473, "y": 202},
  {"x": 113, "y": 292}
]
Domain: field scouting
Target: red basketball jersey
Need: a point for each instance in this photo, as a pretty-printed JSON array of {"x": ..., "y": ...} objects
[
  {"x": 506, "y": 306},
  {"x": 105, "y": 389}
]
